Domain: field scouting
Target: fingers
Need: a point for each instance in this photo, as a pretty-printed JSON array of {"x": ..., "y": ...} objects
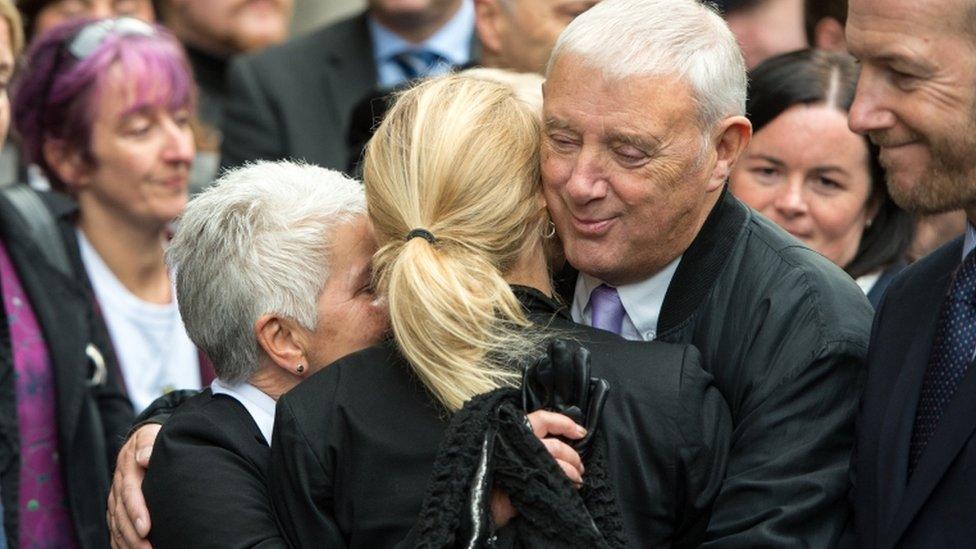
[
  {"x": 128, "y": 517},
  {"x": 561, "y": 451},
  {"x": 144, "y": 438},
  {"x": 546, "y": 424},
  {"x": 571, "y": 472}
]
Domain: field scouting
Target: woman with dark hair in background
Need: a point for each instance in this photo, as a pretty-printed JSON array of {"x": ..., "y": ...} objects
[
  {"x": 62, "y": 415},
  {"x": 104, "y": 109},
  {"x": 807, "y": 171}
]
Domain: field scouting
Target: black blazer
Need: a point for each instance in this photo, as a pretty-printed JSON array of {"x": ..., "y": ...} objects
[
  {"x": 784, "y": 332},
  {"x": 294, "y": 100},
  {"x": 206, "y": 484},
  {"x": 92, "y": 422},
  {"x": 933, "y": 508},
  {"x": 354, "y": 445}
]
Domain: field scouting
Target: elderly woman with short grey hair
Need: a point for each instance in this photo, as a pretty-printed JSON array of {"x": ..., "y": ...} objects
[{"x": 273, "y": 283}]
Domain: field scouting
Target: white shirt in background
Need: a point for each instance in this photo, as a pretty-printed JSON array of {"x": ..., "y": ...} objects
[{"x": 154, "y": 352}]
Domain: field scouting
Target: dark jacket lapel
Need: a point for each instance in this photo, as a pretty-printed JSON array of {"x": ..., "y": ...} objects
[
  {"x": 958, "y": 421},
  {"x": 352, "y": 69},
  {"x": 899, "y": 416}
]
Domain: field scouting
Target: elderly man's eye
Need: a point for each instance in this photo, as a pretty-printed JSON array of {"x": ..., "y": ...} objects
[
  {"x": 561, "y": 142},
  {"x": 629, "y": 154}
]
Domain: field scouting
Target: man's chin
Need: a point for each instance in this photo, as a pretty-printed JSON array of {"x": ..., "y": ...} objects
[{"x": 931, "y": 191}]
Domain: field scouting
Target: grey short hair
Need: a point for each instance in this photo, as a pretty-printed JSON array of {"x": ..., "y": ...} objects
[
  {"x": 257, "y": 242},
  {"x": 683, "y": 38}
]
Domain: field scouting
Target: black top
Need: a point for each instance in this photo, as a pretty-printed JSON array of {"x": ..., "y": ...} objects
[
  {"x": 207, "y": 481},
  {"x": 210, "y": 74},
  {"x": 355, "y": 443}
]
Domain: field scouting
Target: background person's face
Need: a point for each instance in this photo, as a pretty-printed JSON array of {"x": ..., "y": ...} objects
[
  {"x": 769, "y": 28},
  {"x": 916, "y": 98},
  {"x": 621, "y": 171},
  {"x": 229, "y": 27},
  {"x": 142, "y": 157},
  {"x": 61, "y": 11},
  {"x": 6, "y": 72},
  {"x": 808, "y": 173},
  {"x": 350, "y": 316},
  {"x": 527, "y": 30},
  {"x": 421, "y": 10}
]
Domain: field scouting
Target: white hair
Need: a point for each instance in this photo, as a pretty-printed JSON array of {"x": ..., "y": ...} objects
[
  {"x": 257, "y": 242},
  {"x": 683, "y": 38}
]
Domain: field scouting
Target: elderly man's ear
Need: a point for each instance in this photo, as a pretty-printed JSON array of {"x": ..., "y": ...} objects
[
  {"x": 730, "y": 138},
  {"x": 284, "y": 342}
]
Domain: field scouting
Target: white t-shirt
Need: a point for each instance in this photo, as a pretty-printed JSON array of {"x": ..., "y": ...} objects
[{"x": 154, "y": 351}]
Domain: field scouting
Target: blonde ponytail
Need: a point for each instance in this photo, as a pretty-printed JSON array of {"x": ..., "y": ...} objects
[{"x": 458, "y": 157}]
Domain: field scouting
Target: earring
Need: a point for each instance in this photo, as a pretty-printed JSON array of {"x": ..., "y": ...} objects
[
  {"x": 550, "y": 230},
  {"x": 300, "y": 369}
]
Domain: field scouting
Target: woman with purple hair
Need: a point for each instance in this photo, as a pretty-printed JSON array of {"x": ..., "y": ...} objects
[{"x": 104, "y": 109}]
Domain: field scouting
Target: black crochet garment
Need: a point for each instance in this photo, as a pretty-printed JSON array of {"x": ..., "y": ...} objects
[{"x": 552, "y": 513}]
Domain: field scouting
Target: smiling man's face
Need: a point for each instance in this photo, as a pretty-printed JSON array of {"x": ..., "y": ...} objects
[
  {"x": 622, "y": 172},
  {"x": 916, "y": 97}
]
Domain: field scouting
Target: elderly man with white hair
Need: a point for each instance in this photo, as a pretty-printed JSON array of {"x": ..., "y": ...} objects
[{"x": 644, "y": 107}]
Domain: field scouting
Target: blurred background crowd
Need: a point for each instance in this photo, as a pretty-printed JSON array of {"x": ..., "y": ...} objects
[{"x": 119, "y": 111}]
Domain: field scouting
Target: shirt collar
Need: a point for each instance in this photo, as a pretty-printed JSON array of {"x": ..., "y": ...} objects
[
  {"x": 259, "y": 405},
  {"x": 452, "y": 41},
  {"x": 642, "y": 300},
  {"x": 970, "y": 241}
]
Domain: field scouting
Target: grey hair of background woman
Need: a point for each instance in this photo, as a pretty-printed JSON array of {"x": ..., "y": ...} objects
[
  {"x": 257, "y": 242},
  {"x": 687, "y": 39}
]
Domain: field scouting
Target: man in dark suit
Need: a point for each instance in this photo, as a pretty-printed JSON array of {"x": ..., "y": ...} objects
[
  {"x": 295, "y": 100},
  {"x": 634, "y": 165},
  {"x": 915, "y": 467}
]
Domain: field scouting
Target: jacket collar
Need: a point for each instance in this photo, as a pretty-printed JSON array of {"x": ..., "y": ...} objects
[
  {"x": 535, "y": 302},
  {"x": 702, "y": 263}
]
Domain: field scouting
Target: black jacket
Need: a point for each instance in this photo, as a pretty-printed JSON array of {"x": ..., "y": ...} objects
[
  {"x": 207, "y": 482},
  {"x": 92, "y": 422},
  {"x": 784, "y": 332},
  {"x": 354, "y": 445},
  {"x": 294, "y": 100},
  {"x": 933, "y": 508}
]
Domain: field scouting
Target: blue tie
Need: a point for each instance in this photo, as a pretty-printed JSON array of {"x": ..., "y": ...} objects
[
  {"x": 418, "y": 63},
  {"x": 952, "y": 352}
]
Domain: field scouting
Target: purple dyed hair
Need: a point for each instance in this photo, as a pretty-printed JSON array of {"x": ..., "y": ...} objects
[{"x": 57, "y": 95}]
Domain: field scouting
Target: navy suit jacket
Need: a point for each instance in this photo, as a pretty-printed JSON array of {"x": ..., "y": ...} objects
[{"x": 935, "y": 507}]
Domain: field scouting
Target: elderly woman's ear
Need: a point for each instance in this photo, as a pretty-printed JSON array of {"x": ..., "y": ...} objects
[{"x": 283, "y": 342}]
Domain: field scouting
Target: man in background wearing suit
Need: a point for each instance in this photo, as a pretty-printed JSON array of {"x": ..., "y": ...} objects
[
  {"x": 295, "y": 100},
  {"x": 644, "y": 121},
  {"x": 915, "y": 467}
]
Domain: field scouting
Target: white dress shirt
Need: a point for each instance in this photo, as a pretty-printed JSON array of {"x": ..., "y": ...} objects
[
  {"x": 259, "y": 405},
  {"x": 642, "y": 302}
]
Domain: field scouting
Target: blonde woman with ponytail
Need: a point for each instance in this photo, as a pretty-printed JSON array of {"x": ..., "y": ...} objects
[{"x": 452, "y": 188}]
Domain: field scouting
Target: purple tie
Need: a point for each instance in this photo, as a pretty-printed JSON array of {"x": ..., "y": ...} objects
[{"x": 606, "y": 308}]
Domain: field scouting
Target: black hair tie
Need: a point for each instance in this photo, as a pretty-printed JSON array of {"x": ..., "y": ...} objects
[{"x": 422, "y": 233}]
